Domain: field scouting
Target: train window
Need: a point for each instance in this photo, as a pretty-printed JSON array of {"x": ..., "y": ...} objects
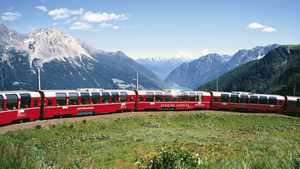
[
  {"x": 142, "y": 99},
  {"x": 167, "y": 97},
  {"x": 280, "y": 102},
  {"x": 149, "y": 97},
  {"x": 192, "y": 97},
  {"x": 1, "y": 103},
  {"x": 272, "y": 100},
  {"x": 36, "y": 102},
  {"x": 263, "y": 100},
  {"x": 123, "y": 98},
  {"x": 50, "y": 102},
  {"x": 244, "y": 99},
  {"x": 95, "y": 98},
  {"x": 85, "y": 98},
  {"x": 61, "y": 99},
  {"x": 200, "y": 97},
  {"x": 298, "y": 103},
  {"x": 291, "y": 104},
  {"x": 253, "y": 99},
  {"x": 73, "y": 98},
  {"x": 105, "y": 98},
  {"x": 176, "y": 97},
  {"x": 115, "y": 97},
  {"x": 12, "y": 102},
  {"x": 184, "y": 97},
  {"x": 234, "y": 99},
  {"x": 25, "y": 101},
  {"x": 131, "y": 98},
  {"x": 216, "y": 99},
  {"x": 158, "y": 97},
  {"x": 225, "y": 98}
]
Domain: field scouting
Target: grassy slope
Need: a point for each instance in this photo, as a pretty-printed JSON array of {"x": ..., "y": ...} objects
[{"x": 222, "y": 140}]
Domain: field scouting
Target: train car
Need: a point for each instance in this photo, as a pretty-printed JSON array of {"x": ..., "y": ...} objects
[
  {"x": 292, "y": 104},
  {"x": 170, "y": 99},
  {"x": 85, "y": 102},
  {"x": 19, "y": 105},
  {"x": 246, "y": 101}
]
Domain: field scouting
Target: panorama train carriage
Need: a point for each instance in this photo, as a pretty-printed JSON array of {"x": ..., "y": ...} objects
[
  {"x": 169, "y": 99},
  {"x": 292, "y": 104},
  {"x": 85, "y": 102},
  {"x": 19, "y": 105},
  {"x": 247, "y": 101}
]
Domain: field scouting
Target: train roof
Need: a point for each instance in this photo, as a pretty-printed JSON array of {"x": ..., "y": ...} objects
[
  {"x": 143, "y": 92},
  {"x": 52, "y": 93},
  {"x": 247, "y": 94},
  {"x": 32, "y": 93},
  {"x": 292, "y": 98}
]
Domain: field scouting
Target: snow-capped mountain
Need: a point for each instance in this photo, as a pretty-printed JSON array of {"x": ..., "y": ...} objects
[
  {"x": 162, "y": 66},
  {"x": 66, "y": 63},
  {"x": 192, "y": 76}
]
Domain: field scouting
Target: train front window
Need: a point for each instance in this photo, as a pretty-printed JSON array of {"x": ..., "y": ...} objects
[
  {"x": 73, "y": 98},
  {"x": 167, "y": 97},
  {"x": 149, "y": 96},
  {"x": 50, "y": 102},
  {"x": 263, "y": 100},
  {"x": 12, "y": 102},
  {"x": 225, "y": 98},
  {"x": 95, "y": 98},
  {"x": 36, "y": 103},
  {"x": 253, "y": 99},
  {"x": 123, "y": 98},
  {"x": 158, "y": 96},
  {"x": 192, "y": 97},
  {"x": 272, "y": 100},
  {"x": 105, "y": 98},
  {"x": 234, "y": 99},
  {"x": 1, "y": 103},
  {"x": 25, "y": 100},
  {"x": 61, "y": 99},
  {"x": 244, "y": 99},
  {"x": 184, "y": 97},
  {"x": 85, "y": 98}
]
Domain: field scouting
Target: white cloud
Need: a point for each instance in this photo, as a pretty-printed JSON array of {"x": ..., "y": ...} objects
[
  {"x": 205, "y": 52},
  {"x": 184, "y": 54},
  {"x": 11, "y": 16},
  {"x": 226, "y": 53},
  {"x": 67, "y": 22},
  {"x": 255, "y": 26},
  {"x": 81, "y": 25},
  {"x": 64, "y": 13},
  {"x": 55, "y": 23},
  {"x": 42, "y": 8},
  {"x": 269, "y": 29},
  {"x": 105, "y": 25},
  {"x": 98, "y": 17},
  {"x": 31, "y": 28},
  {"x": 115, "y": 27}
]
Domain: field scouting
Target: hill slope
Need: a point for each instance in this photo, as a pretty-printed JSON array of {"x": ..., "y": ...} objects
[{"x": 276, "y": 73}]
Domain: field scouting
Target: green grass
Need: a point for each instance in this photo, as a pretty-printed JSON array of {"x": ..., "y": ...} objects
[{"x": 220, "y": 140}]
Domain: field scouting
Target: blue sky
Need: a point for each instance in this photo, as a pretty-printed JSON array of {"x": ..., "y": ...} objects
[{"x": 161, "y": 28}]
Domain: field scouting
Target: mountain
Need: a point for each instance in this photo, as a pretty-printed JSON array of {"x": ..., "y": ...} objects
[
  {"x": 65, "y": 63},
  {"x": 162, "y": 66},
  {"x": 194, "y": 80},
  {"x": 188, "y": 73},
  {"x": 278, "y": 72}
]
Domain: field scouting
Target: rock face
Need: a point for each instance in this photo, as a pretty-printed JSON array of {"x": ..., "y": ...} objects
[
  {"x": 193, "y": 75},
  {"x": 65, "y": 63}
]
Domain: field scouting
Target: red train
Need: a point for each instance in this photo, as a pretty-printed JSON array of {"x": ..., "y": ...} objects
[{"x": 30, "y": 105}]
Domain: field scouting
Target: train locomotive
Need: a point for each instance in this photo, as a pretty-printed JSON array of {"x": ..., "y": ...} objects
[{"x": 43, "y": 104}]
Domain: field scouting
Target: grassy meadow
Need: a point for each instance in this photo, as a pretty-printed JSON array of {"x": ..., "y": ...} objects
[{"x": 179, "y": 140}]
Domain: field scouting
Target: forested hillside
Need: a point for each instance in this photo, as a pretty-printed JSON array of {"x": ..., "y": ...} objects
[{"x": 276, "y": 73}]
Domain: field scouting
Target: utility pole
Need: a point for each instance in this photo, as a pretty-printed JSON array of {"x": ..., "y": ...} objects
[
  {"x": 39, "y": 78},
  {"x": 217, "y": 84},
  {"x": 294, "y": 89},
  {"x": 137, "y": 81}
]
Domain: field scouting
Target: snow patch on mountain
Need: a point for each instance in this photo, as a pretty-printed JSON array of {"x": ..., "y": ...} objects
[{"x": 49, "y": 44}]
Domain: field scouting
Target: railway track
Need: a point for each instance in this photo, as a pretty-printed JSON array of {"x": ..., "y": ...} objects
[{"x": 24, "y": 125}]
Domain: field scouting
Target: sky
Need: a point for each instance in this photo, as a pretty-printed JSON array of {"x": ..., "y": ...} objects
[{"x": 161, "y": 28}]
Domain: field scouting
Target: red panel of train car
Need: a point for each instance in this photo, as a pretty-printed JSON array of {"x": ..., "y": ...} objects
[
  {"x": 170, "y": 99},
  {"x": 85, "y": 102},
  {"x": 292, "y": 104},
  {"x": 19, "y": 105},
  {"x": 247, "y": 101}
]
